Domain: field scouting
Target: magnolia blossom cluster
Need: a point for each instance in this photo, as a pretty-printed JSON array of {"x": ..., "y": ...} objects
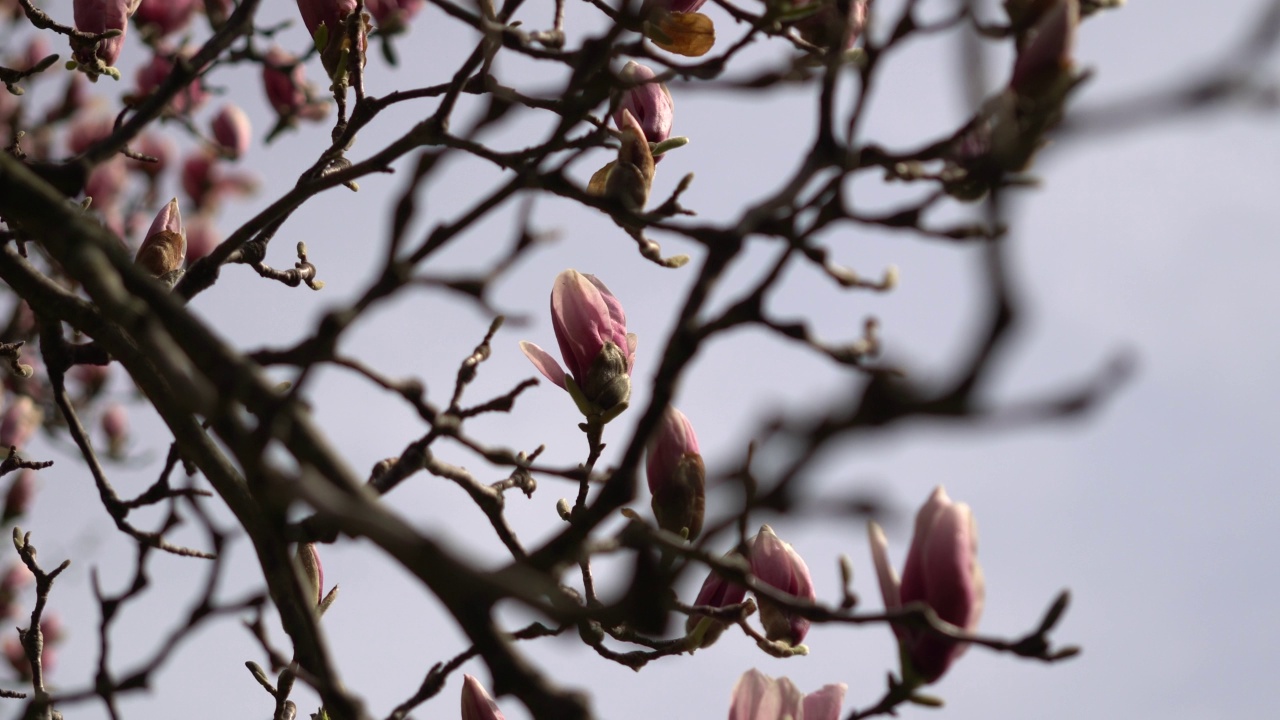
[
  {"x": 942, "y": 571},
  {"x": 772, "y": 563}
]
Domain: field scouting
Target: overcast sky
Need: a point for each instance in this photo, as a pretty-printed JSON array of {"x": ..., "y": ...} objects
[{"x": 1157, "y": 243}]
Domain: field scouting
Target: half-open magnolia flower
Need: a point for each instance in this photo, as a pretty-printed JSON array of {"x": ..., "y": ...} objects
[
  {"x": 757, "y": 696},
  {"x": 942, "y": 572},
  {"x": 591, "y": 329},
  {"x": 650, "y": 102}
]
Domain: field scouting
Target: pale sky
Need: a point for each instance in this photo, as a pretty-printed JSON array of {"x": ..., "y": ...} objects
[{"x": 1158, "y": 243}]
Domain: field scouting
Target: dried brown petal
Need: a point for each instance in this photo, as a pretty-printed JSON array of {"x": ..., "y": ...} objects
[{"x": 689, "y": 34}]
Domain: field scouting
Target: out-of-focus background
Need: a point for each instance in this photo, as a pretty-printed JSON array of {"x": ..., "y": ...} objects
[{"x": 1155, "y": 242}]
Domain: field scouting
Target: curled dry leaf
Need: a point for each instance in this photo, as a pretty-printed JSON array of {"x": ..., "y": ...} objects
[{"x": 688, "y": 34}]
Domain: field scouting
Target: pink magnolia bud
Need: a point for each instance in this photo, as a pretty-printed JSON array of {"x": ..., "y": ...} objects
[
  {"x": 650, "y": 103},
  {"x": 37, "y": 49},
  {"x": 158, "y": 18},
  {"x": 89, "y": 126},
  {"x": 777, "y": 564},
  {"x": 757, "y": 696},
  {"x": 106, "y": 183},
  {"x": 823, "y": 28},
  {"x": 393, "y": 16},
  {"x": 476, "y": 703},
  {"x": 115, "y": 425},
  {"x": 52, "y": 627},
  {"x": 591, "y": 328},
  {"x": 1044, "y": 59},
  {"x": 232, "y": 131},
  {"x": 16, "y": 656},
  {"x": 332, "y": 16},
  {"x": 715, "y": 592},
  {"x": 162, "y": 251},
  {"x": 15, "y": 579},
  {"x": 154, "y": 73},
  {"x": 19, "y": 423},
  {"x": 96, "y": 16},
  {"x": 205, "y": 182},
  {"x": 198, "y": 178},
  {"x": 75, "y": 97},
  {"x": 312, "y": 570},
  {"x": 677, "y": 475},
  {"x": 942, "y": 572},
  {"x": 157, "y": 146},
  {"x": 287, "y": 89},
  {"x": 21, "y": 492},
  {"x": 202, "y": 237},
  {"x": 92, "y": 378}
]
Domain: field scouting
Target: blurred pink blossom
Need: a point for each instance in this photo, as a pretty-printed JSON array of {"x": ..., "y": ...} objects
[{"x": 942, "y": 572}]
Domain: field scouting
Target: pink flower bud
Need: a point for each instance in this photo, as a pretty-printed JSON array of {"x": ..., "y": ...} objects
[
  {"x": 332, "y": 15},
  {"x": 676, "y": 475},
  {"x": 16, "y": 577},
  {"x": 97, "y": 16},
  {"x": 115, "y": 425},
  {"x": 757, "y": 696},
  {"x": 198, "y": 177},
  {"x": 715, "y": 592},
  {"x": 823, "y": 29},
  {"x": 154, "y": 73},
  {"x": 19, "y": 423},
  {"x": 52, "y": 627},
  {"x": 17, "y": 501},
  {"x": 157, "y": 146},
  {"x": 16, "y": 656},
  {"x": 591, "y": 328},
  {"x": 777, "y": 564},
  {"x": 205, "y": 182},
  {"x": 476, "y": 703},
  {"x": 393, "y": 16},
  {"x": 942, "y": 572},
  {"x": 92, "y": 378},
  {"x": 75, "y": 97},
  {"x": 158, "y": 18},
  {"x": 287, "y": 90},
  {"x": 1044, "y": 59},
  {"x": 312, "y": 571},
  {"x": 106, "y": 183},
  {"x": 650, "y": 103},
  {"x": 162, "y": 251},
  {"x": 232, "y": 131},
  {"x": 37, "y": 49},
  {"x": 89, "y": 127},
  {"x": 202, "y": 237}
]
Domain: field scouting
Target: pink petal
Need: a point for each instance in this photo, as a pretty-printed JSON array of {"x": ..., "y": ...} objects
[
  {"x": 913, "y": 586},
  {"x": 542, "y": 360},
  {"x": 889, "y": 586},
  {"x": 755, "y": 697},
  {"x": 825, "y": 704}
]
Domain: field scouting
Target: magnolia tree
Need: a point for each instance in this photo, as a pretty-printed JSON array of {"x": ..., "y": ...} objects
[{"x": 101, "y": 268}]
